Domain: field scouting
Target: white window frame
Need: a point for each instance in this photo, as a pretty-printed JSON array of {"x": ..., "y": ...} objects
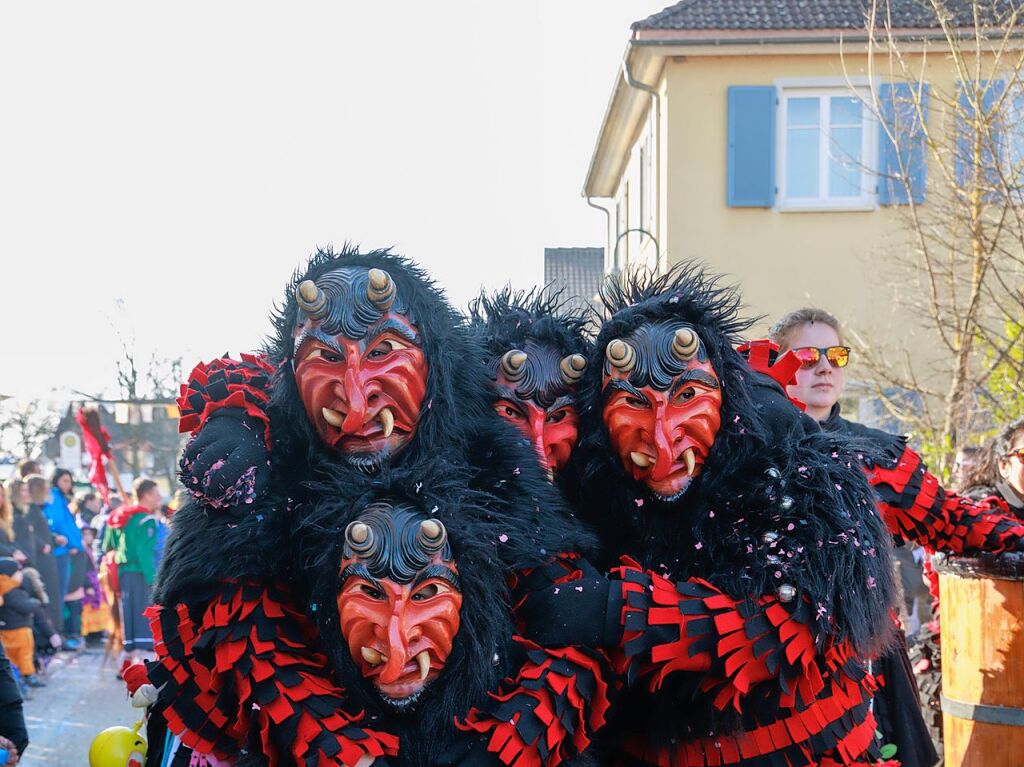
[
  {"x": 822, "y": 87},
  {"x": 1013, "y": 133}
]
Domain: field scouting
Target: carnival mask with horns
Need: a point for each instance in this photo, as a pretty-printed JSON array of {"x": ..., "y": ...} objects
[
  {"x": 399, "y": 599},
  {"x": 662, "y": 404},
  {"x": 359, "y": 363},
  {"x": 534, "y": 392}
]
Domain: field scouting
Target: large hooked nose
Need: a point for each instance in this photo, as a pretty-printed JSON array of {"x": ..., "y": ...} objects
[
  {"x": 536, "y": 426},
  {"x": 351, "y": 391},
  {"x": 399, "y": 638},
  {"x": 665, "y": 442}
]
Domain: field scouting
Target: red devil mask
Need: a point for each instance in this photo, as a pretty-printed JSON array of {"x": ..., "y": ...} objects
[
  {"x": 359, "y": 364},
  {"x": 535, "y": 390},
  {"x": 662, "y": 405},
  {"x": 399, "y": 601}
]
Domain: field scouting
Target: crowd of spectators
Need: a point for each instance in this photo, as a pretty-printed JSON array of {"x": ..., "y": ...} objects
[{"x": 75, "y": 576}]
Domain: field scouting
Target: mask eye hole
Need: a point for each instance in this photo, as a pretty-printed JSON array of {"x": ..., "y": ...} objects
[
  {"x": 558, "y": 416},
  {"x": 635, "y": 401},
  {"x": 327, "y": 355},
  {"x": 686, "y": 394},
  {"x": 384, "y": 347},
  {"x": 509, "y": 411},
  {"x": 425, "y": 593},
  {"x": 371, "y": 591},
  {"x": 429, "y": 591}
]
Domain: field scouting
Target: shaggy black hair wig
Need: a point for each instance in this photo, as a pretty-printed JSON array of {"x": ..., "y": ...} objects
[
  {"x": 538, "y": 320},
  {"x": 508, "y": 317},
  {"x": 486, "y": 547}
]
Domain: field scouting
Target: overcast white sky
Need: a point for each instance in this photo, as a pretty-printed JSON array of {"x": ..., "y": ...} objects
[{"x": 164, "y": 168}]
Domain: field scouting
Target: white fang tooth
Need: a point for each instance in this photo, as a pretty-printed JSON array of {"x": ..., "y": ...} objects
[
  {"x": 423, "y": 661},
  {"x": 333, "y": 417},
  {"x": 691, "y": 462},
  {"x": 371, "y": 656},
  {"x": 387, "y": 421},
  {"x": 640, "y": 459}
]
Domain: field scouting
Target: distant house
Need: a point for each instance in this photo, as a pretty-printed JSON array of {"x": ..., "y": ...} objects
[
  {"x": 736, "y": 135},
  {"x": 143, "y": 434},
  {"x": 577, "y": 271}
]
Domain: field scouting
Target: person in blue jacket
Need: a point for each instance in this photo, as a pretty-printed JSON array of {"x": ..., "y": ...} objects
[{"x": 67, "y": 537}]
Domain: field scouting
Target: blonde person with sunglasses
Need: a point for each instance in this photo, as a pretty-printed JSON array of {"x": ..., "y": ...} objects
[
  {"x": 912, "y": 502},
  {"x": 816, "y": 338}
]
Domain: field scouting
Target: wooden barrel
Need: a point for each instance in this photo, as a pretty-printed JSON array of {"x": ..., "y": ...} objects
[{"x": 982, "y": 607}]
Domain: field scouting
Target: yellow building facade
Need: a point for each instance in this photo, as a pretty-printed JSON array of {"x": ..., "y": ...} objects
[{"x": 662, "y": 165}]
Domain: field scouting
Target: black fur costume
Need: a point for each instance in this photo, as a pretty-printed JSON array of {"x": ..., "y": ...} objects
[
  {"x": 223, "y": 559},
  {"x": 773, "y": 559}
]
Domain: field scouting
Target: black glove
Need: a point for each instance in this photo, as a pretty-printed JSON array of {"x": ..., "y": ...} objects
[
  {"x": 582, "y": 612},
  {"x": 468, "y": 750},
  {"x": 226, "y": 463}
]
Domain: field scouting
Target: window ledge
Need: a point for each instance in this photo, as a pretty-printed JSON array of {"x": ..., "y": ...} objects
[{"x": 859, "y": 206}]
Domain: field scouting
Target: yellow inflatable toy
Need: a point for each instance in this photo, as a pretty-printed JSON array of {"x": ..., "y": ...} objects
[{"x": 118, "y": 747}]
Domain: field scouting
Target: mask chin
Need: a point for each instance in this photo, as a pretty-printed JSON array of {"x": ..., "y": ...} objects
[
  {"x": 407, "y": 703},
  {"x": 670, "y": 498},
  {"x": 368, "y": 463}
]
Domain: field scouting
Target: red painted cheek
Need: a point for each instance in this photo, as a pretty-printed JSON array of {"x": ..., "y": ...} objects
[
  {"x": 559, "y": 440},
  {"x": 629, "y": 430},
  {"x": 438, "y": 621},
  {"x": 699, "y": 422}
]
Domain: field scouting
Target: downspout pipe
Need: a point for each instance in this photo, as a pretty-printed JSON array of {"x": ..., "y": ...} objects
[
  {"x": 632, "y": 82},
  {"x": 607, "y": 224}
]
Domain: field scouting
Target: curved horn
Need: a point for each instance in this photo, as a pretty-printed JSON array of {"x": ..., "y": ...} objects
[
  {"x": 311, "y": 300},
  {"x": 359, "y": 537},
  {"x": 572, "y": 368},
  {"x": 381, "y": 289},
  {"x": 513, "y": 364},
  {"x": 432, "y": 534},
  {"x": 621, "y": 355},
  {"x": 685, "y": 344}
]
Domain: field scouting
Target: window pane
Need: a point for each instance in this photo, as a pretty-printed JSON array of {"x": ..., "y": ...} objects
[
  {"x": 802, "y": 162},
  {"x": 803, "y": 146},
  {"x": 802, "y": 112},
  {"x": 844, "y": 163},
  {"x": 845, "y": 111}
]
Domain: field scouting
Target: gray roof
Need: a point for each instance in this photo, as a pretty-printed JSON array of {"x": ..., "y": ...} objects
[
  {"x": 808, "y": 14},
  {"x": 578, "y": 271}
]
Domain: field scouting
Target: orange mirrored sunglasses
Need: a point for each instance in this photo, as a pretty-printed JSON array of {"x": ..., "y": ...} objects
[{"x": 837, "y": 356}]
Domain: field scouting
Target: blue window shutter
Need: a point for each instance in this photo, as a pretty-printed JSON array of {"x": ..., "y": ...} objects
[
  {"x": 899, "y": 117},
  {"x": 751, "y": 151},
  {"x": 992, "y": 91}
]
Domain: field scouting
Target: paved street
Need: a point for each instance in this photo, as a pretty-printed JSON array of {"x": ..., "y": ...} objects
[{"x": 80, "y": 699}]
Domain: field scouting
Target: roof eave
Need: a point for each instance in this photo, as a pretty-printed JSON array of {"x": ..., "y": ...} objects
[
  {"x": 683, "y": 37},
  {"x": 622, "y": 119}
]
